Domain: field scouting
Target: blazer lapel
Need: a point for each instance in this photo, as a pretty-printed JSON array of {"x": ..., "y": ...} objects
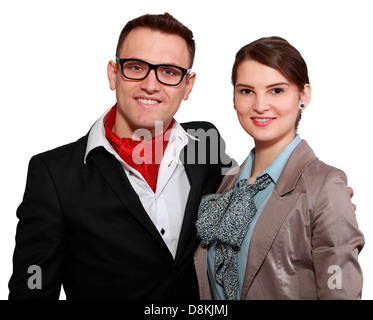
[
  {"x": 276, "y": 210},
  {"x": 195, "y": 176},
  {"x": 113, "y": 173}
]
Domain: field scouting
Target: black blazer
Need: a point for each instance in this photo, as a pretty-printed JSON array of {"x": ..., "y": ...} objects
[{"x": 85, "y": 227}]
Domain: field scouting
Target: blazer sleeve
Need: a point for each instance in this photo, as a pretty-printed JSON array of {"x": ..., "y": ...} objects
[
  {"x": 39, "y": 238},
  {"x": 336, "y": 241}
]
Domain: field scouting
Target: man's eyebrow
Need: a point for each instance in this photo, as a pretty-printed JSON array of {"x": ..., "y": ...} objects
[{"x": 163, "y": 63}]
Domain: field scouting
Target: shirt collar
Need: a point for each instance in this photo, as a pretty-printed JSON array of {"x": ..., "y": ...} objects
[
  {"x": 97, "y": 138},
  {"x": 275, "y": 168}
]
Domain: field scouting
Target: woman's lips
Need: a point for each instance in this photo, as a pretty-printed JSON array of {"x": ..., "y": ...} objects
[{"x": 261, "y": 121}]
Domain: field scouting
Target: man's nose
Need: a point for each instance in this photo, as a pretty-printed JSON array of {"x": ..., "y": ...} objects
[{"x": 150, "y": 83}]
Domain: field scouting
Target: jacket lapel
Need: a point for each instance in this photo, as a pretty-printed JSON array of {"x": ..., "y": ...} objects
[
  {"x": 276, "y": 210},
  {"x": 115, "y": 176},
  {"x": 195, "y": 176}
]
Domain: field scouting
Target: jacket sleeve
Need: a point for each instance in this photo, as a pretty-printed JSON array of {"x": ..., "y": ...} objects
[
  {"x": 336, "y": 241},
  {"x": 39, "y": 252}
]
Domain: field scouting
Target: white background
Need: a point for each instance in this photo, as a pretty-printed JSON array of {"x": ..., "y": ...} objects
[{"x": 53, "y": 83}]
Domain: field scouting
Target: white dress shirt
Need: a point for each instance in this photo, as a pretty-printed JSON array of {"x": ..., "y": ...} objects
[{"x": 166, "y": 206}]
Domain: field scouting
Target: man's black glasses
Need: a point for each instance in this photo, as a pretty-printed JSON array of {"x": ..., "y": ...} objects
[{"x": 136, "y": 69}]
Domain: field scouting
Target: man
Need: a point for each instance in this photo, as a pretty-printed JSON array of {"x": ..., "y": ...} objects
[{"x": 111, "y": 216}]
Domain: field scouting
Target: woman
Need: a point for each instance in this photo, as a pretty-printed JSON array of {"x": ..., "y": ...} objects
[{"x": 283, "y": 227}]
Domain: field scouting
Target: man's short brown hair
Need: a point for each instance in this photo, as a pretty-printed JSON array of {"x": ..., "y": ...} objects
[{"x": 164, "y": 23}]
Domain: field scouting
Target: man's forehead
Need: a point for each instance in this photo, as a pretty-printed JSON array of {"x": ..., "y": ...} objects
[{"x": 155, "y": 47}]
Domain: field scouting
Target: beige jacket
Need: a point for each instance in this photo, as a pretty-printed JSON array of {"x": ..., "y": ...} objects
[{"x": 306, "y": 242}]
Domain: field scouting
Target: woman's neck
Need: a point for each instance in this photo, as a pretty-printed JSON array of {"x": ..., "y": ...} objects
[{"x": 265, "y": 154}]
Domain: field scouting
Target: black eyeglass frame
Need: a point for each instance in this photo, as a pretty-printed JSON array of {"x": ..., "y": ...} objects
[{"x": 154, "y": 67}]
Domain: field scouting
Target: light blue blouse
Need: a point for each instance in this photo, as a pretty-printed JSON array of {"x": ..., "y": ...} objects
[{"x": 260, "y": 200}]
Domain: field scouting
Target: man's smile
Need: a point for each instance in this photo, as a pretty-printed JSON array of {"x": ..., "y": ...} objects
[{"x": 147, "y": 103}]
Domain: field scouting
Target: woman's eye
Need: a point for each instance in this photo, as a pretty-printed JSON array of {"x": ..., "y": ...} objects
[
  {"x": 245, "y": 91},
  {"x": 277, "y": 90}
]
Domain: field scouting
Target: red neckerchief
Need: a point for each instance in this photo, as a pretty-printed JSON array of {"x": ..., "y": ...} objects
[{"x": 125, "y": 146}]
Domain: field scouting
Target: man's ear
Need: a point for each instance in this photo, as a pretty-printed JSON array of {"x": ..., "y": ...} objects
[
  {"x": 112, "y": 74},
  {"x": 191, "y": 77}
]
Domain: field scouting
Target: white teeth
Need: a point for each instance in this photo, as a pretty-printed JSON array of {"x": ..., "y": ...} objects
[
  {"x": 262, "y": 119},
  {"x": 147, "y": 101}
]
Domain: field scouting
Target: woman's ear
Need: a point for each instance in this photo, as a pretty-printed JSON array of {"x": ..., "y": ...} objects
[{"x": 305, "y": 96}]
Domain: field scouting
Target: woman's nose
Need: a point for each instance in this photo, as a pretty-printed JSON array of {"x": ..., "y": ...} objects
[{"x": 261, "y": 104}]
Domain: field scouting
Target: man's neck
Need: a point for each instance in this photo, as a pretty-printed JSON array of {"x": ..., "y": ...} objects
[{"x": 141, "y": 134}]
